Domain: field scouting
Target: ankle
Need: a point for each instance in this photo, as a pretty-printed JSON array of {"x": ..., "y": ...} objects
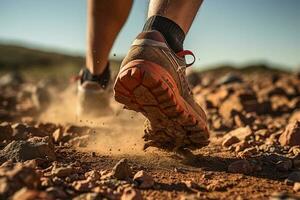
[
  {"x": 102, "y": 79},
  {"x": 171, "y": 31}
]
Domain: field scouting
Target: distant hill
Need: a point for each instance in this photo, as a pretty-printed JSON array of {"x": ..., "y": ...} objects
[
  {"x": 248, "y": 68},
  {"x": 42, "y": 63},
  {"x": 14, "y": 57},
  {"x": 17, "y": 57}
]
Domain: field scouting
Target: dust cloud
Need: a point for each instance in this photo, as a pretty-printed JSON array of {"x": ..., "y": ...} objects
[
  {"x": 62, "y": 108},
  {"x": 116, "y": 134}
]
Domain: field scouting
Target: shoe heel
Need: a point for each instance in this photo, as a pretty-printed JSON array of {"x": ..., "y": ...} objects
[
  {"x": 129, "y": 78},
  {"x": 137, "y": 87}
]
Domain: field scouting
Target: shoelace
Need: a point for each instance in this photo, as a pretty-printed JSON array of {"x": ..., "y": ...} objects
[{"x": 182, "y": 70}]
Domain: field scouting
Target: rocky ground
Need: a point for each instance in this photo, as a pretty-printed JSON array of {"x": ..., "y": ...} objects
[{"x": 254, "y": 153}]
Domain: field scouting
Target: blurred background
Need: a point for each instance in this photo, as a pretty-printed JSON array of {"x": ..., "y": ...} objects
[{"x": 235, "y": 33}]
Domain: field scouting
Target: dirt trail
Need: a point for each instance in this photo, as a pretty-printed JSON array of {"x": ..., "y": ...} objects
[{"x": 254, "y": 119}]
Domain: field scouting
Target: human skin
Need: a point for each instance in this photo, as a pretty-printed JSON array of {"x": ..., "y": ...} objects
[{"x": 106, "y": 19}]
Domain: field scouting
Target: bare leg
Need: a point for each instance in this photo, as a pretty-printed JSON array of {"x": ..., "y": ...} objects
[
  {"x": 105, "y": 20},
  {"x": 182, "y": 12}
]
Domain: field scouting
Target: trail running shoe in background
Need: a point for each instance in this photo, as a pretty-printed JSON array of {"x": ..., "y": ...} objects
[
  {"x": 93, "y": 96},
  {"x": 152, "y": 81}
]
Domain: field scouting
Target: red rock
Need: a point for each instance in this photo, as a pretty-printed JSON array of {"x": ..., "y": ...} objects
[
  {"x": 4, "y": 187},
  {"x": 14, "y": 177},
  {"x": 34, "y": 162},
  {"x": 5, "y": 131},
  {"x": 131, "y": 194},
  {"x": 242, "y": 133},
  {"x": 190, "y": 197},
  {"x": 241, "y": 146},
  {"x": 229, "y": 106},
  {"x": 230, "y": 140},
  {"x": 229, "y": 78},
  {"x": 46, "y": 182},
  {"x": 57, "y": 192},
  {"x": 241, "y": 166},
  {"x": 27, "y": 150},
  {"x": 296, "y": 187},
  {"x": 33, "y": 131},
  {"x": 143, "y": 179},
  {"x": 217, "y": 124},
  {"x": 295, "y": 150},
  {"x": 19, "y": 131},
  {"x": 295, "y": 103},
  {"x": 263, "y": 133},
  {"x": 291, "y": 135},
  {"x": 216, "y": 98},
  {"x": 284, "y": 166},
  {"x": 26, "y": 175},
  {"x": 283, "y": 195},
  {"x": 295, "y": 116},
  {"x": 83, "y": 185},
  {"x": 92, "y": 175},
  {"x": 48, "y": 127},
  {"x": 193, "y": 186},
  {"x": 89, "y": 196},
  {"x": 57, "y": 135},
  {"x": 193, "y": 78},
  {"x": 248, "y": 152},
  {"x": 62, "y": 171},
  {"x": 122, "y": 170},
  {"x": 27, "y": 194},
  {"x": 270, "y": 91},
  {"x": 46, "y": 140},
  {"x": 280, "y": 104},
  {"x": 80, "y": 141},
  {"x": 219, "y": 185}
]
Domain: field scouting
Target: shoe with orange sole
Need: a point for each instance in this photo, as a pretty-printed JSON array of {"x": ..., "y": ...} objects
[{"x": 152, "y": 81}]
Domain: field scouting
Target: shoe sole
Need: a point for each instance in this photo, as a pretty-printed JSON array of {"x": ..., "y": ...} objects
[{"x": 148, "y": 88}]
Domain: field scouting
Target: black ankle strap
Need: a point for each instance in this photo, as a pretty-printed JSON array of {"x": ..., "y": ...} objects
[{"x": 102, "y": 79}]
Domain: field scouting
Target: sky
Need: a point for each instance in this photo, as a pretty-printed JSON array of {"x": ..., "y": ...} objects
[{"x": 231, "y": 31}]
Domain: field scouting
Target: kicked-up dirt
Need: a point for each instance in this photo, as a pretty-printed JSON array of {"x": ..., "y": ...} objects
[{"x": 254, "y": 151}]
